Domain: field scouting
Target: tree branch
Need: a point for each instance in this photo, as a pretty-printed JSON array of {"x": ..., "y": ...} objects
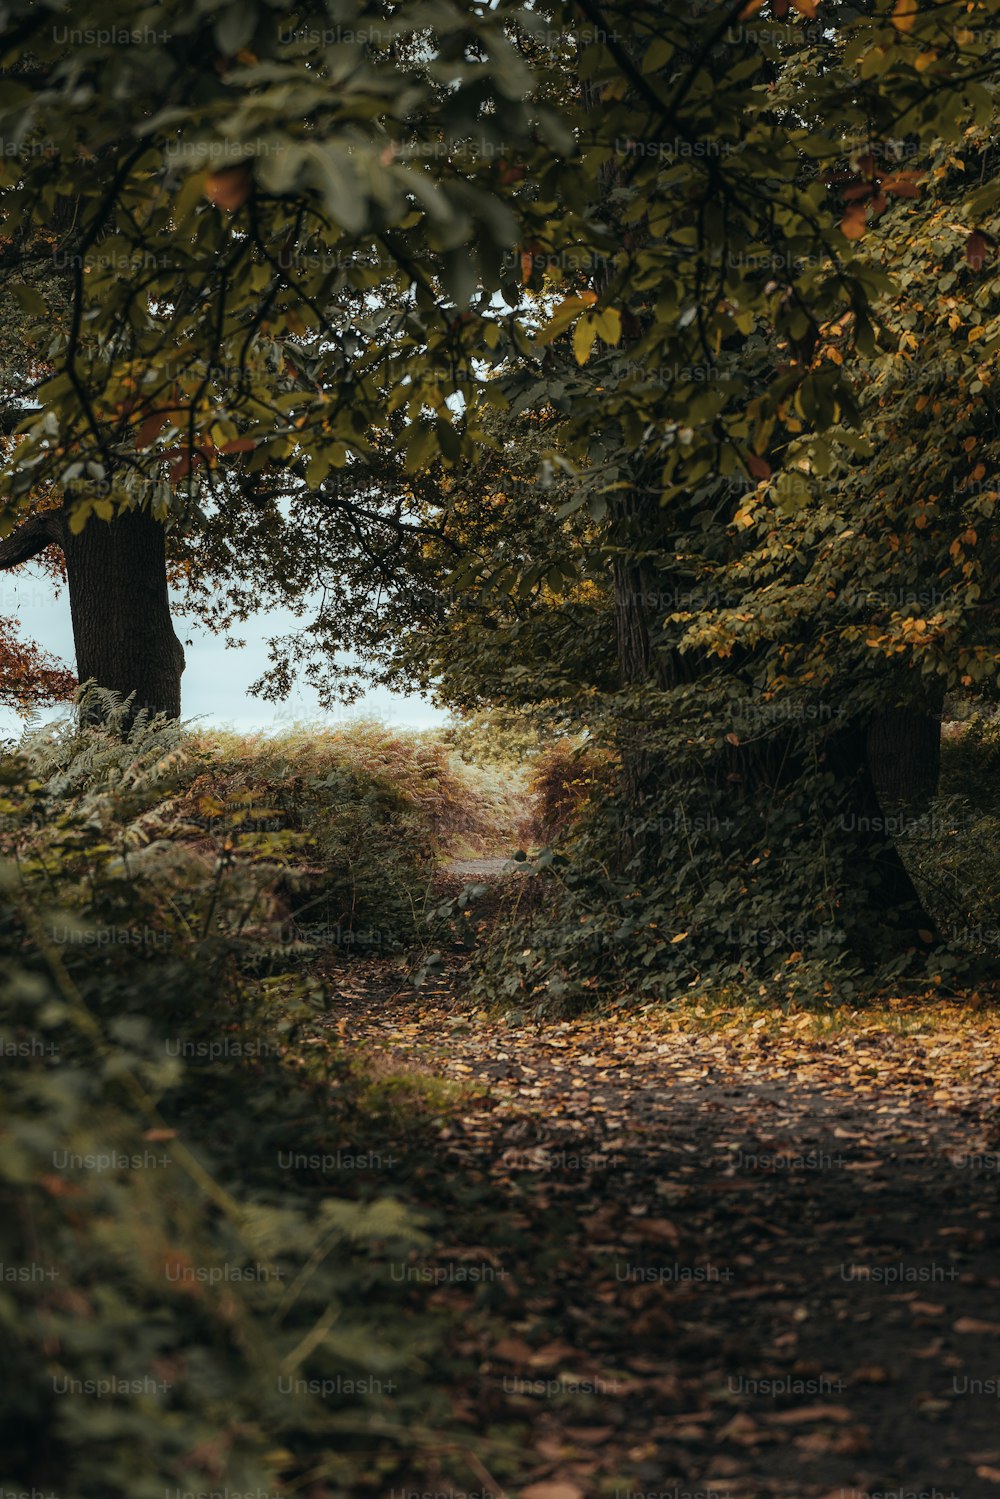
[
  {"x": 31, "y": 537},
  {"x": 13, "y": 416}
]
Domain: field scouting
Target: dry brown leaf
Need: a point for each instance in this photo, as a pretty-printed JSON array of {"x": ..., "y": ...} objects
[
  {"x": 561, "y": 1489},
  {"x": 513, "y": 1350},
  {"x": 976, "y": 249},
  {"x": 229, "y": 187},
  {"x": 854, "y": 224},
  {"x": 811, "y": 1413},
  {"x": 657, "y": 1228}
]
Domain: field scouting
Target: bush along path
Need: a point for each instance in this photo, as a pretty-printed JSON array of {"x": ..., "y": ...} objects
[{"x": 731, "y": 1254}]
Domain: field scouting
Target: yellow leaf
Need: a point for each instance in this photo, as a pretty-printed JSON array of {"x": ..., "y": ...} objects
[
  {"x": 679, "y": 938},
  {"x": 904, "y": 14},
  {"x": 79, "y": 516},
  {"x": 584, "y": 335},
  {"x": 609, "y": 325}
]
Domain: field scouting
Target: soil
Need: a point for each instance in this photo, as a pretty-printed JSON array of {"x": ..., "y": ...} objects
[{"x": 728, "y": 1263}]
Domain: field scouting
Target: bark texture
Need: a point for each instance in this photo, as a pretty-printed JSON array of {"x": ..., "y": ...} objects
[
  {"x": 894, "y": 916},
  {"x": 904, "y": 751},
  {"x": 116, "y": 573},
  {"x": 124, "y": 636}
]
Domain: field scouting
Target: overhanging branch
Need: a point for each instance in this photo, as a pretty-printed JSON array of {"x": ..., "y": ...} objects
[{"x": 30, "y": 538}]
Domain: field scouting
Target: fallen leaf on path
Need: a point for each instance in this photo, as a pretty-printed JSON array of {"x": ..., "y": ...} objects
[
  {"x": 811, "y": 1413},
  {"x": 552, "y": 1491}
]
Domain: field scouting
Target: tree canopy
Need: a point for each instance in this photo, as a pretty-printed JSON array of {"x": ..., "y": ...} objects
[{"x": 583, "y": 355}]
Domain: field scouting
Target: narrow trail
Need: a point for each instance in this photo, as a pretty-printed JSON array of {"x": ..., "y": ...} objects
[
  {"x": 477, "y": 869},
  {"x": 732, "y": 1263}
]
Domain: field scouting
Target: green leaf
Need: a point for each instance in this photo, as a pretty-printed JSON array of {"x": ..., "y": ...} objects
[
  {"x": 657, "y": 55},
  {"x": 235, "y": 27},
  {"x": 28, "y": 299}
]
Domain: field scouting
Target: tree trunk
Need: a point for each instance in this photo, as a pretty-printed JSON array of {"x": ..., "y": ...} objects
[
  {"x": 117, "y": 576},
  {"x": 904, "y": 751},
  {"x": 888, "y": 915},
  {"x": 640, "y": 605}
]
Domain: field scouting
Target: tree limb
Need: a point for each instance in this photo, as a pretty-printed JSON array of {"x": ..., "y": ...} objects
[
  {"x": 13, "y": 416},
  {"x": 31, "y": 537}
]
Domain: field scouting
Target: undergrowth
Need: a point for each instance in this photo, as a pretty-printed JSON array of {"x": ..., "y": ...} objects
[{"x": 204, "y": 1287}]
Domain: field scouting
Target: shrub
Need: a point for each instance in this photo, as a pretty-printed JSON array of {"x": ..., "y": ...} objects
[
  {"x": 953, "y": 850},
  {"x": 563, "y": 780},
  {"x": 378, "y": 811},
  {"x": 178, "y": 1282}
]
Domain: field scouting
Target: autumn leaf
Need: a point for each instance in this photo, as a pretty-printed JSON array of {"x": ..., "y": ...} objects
[
  {"x": 854, "y": 224},
  {"x": 904, "y": 14},
  {"x": 560, "y": 1489},
  {"x": 149, "y": 429},
  {"x": 759, "y": 467},
  {"x": 509, "y": 173},
  {"x": 59, "y": 1186},
  {"x": 584, "y": 338},
  {"x": 806, "y": 1413},
  {"x": 902, "y": 184},
  {"x": 229, "y": 187},
  {"x": 660, "y": 1229},
  {"x": 977, "y": 248}
]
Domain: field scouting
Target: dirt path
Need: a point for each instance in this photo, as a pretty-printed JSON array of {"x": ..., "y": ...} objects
[
  {"x": 478, "y": 869},
  {"x": 733, "y": 1264}
]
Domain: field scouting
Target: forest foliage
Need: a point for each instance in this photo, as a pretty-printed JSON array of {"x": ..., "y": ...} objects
[
  {"x": 627, "y": 370},
  {"x": 197, "y": 1282}
]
